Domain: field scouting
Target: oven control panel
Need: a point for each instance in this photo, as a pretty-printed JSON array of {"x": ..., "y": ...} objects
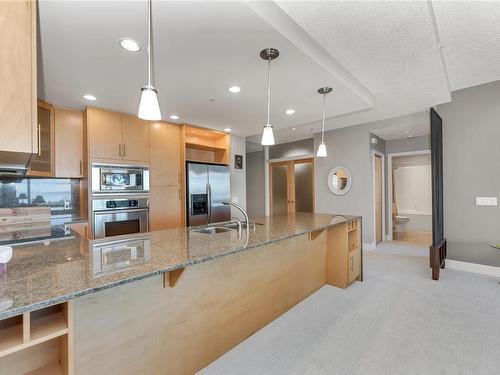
[{"x": 122, "y": 203}]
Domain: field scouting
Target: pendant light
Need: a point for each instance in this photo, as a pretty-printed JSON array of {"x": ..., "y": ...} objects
[
  {"x": 322, "y": 146},
  {"x": 268, "y": 54},
  {"x": 149, "y": 109}
]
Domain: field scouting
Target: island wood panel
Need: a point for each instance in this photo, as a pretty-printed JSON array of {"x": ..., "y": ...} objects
[
  {"x": 18, "y": 96},
  {"x": 68, "y": 143},
  {"x": 135, "y": 145},
  {"x": 104, "y": 130},
  {"x": 212, "y": 307},
  {"x": 336, "y": 258}
]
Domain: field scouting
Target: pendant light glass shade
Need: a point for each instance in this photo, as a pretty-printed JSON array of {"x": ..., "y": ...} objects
[
  {"x": 322, "y": 146},
  {"x": 268, "y": 54},
  {"x": 149, "y": 108},
  {"x": 267, "y": 136},
  {"x": 322, "y": 151}
]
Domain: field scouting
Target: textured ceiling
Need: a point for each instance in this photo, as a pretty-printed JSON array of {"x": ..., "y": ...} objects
[
  {"x": 470, "y": 32},
  {"x": 382, "y": 57}
]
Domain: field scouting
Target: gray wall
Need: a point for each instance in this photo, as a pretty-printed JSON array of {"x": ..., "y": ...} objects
[
  {"x": 292, "y": 149},
  {"x": 238, "y": 176},
  {"x": 348, "y": 147},
  {"x": 379, "y": 146},
  {"x": 255, "y": 184},
  {"x": 471, "y": 134},
  {"x": 422, "y": 142}
]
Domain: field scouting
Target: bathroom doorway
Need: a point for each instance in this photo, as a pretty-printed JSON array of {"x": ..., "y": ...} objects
[
  {"x": 410, "y": 191},
  {"x": 379, "y": 196}
]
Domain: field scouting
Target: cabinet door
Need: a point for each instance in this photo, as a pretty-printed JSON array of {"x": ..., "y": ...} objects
[
  {"x": 80, "y": 228},
  {"x": 43, "y": 164},
  {"x": 165, "y": 154},
  {"x": 69, "y": 143},
  {"x": 165, "y": 207},
  {"x": 18, "y": 76},
  {"x": 104, "y": 133},
  {"x": 354, "y": 265},
  {"x": 135, "y": 139}
]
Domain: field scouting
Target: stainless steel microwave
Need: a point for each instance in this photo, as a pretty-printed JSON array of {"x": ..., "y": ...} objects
[{"x": 119, "y": 179}]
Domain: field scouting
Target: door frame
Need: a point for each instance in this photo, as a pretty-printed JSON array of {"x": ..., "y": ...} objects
[
  {"x": 389, "y": 179},
  {"x": 382, "y": 156},
  {"x": 289, "y": 162}
]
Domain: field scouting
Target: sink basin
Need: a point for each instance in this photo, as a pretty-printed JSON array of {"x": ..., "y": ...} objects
[{"x": 211, "y": 230}]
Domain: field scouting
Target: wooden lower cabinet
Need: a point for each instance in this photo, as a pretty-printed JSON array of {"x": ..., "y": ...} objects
[
  {"x": 343, "y": 260},
  {"x": 165, "y": 207}
]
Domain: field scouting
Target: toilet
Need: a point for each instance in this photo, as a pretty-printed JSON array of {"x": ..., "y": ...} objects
[{"x": 401, "y": 222}]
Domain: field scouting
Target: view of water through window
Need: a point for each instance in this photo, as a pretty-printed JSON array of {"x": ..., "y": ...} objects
[{"x": 61, "y": 195}]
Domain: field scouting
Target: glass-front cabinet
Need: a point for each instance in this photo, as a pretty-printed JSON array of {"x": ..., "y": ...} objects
[{"x": 43, "y": 163}]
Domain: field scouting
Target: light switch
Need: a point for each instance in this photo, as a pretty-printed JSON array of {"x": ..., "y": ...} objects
[{"x": 486, "y": 201}]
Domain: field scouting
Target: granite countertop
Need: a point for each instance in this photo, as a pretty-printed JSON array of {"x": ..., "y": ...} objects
[{"x": 40, "y": 275}]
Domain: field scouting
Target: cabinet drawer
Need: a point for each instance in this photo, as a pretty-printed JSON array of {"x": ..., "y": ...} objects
[{"x": 354, "y": 264}]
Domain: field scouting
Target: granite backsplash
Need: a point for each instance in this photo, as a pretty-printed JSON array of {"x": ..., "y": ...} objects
[{"x": 61, "y": 195}]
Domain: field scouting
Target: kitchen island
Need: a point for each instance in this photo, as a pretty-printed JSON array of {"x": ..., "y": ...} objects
[{"x": 169, "y": 301}]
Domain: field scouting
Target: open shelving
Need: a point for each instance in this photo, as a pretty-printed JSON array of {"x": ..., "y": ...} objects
[
  {"x": 207, "y": 146},
  {"x": 38, "y": 330}
]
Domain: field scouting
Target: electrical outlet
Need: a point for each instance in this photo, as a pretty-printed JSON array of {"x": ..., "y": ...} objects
[
  {"x": 236, "y": 200},
  {"x": 486, "y": 201}
]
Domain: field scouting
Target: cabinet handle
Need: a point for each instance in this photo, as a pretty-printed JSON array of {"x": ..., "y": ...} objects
[
  {"x": 81, "y": 168},
  {"x": 124, "y": 152},
  {"x": 39, "y": 131},
  {"x": 352, "y": 263},
  {"x": 120, "y": 150}
]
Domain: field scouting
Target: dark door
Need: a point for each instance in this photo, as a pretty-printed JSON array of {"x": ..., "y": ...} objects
[{"x": 438, "y": 248}]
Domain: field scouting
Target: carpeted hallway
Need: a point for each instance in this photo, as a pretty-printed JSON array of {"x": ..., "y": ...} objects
[{"x": 398, "y": 321}]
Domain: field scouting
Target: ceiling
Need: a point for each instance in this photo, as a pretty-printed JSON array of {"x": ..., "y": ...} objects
[{"x": 384, "y": 59}]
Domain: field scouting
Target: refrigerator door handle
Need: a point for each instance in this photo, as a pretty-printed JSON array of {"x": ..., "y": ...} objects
[{"x": 209, "y": 193}]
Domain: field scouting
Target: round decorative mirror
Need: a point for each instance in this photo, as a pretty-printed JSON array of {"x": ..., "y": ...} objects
[{"x": 339, "y": 180}]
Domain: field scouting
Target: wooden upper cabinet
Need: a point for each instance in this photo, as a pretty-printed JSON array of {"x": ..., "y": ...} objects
[
  {"x": 113, "y": 135},
  {"x": 43, "y": 163},
  {"x": 165, "y": 154},
  {"x": 69, "y": 143},
  {"x": 104, "y": 133},
  {"x": 18, "y": 98},
  {"x": 135, "y": 141}
]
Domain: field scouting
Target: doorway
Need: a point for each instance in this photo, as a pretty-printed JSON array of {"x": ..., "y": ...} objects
[
  {"x": 291, "y": 186},
  {"x": 410, "y": 191}
]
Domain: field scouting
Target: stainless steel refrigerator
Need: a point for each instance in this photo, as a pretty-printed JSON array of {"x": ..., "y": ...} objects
[{"x": 207, "y": 187}]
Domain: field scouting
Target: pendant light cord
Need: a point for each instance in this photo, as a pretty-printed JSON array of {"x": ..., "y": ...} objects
[
  {"x": 149, "y": 43},
  {"x": 323, "y": 126},
  {"x": 268, "y": 91}
]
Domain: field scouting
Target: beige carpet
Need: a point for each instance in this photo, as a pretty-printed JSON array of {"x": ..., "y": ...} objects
[{"x": 398, "y": 321}]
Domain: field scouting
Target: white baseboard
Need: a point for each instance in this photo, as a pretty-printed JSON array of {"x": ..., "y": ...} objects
[
  {"x": 473, "y": 267},
  {"x": 368, "y": 246},
  {"x": 388, "y": 237}
]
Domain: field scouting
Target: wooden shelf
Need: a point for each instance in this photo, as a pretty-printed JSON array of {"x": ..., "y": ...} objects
[
  {"x": 204, "y": 147},
  {"x": 204, "y": 161},
  {"x": 48, "y": 327},
  {"x": 11, "y": 335}
]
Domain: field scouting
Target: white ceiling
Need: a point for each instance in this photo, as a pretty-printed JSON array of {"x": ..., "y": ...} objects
[{"x": 382, "y": 58}]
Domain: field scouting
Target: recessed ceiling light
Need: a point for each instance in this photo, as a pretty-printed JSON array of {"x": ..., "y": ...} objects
[
  {"x": 410, "y": 136},
  {"x": 234, "y": 89},
  {"x": 293, "y": 128},
  {"x": 290, "y": 111},
  {"x": 89, "y": 97},
  {"x": 406, "y": 131},
  {"x": 174, "y": 117},
  {"x": 130, "y": 45},
  {"x": 227, "y": 130}
]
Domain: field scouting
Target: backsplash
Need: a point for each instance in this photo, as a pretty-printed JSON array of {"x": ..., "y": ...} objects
[{"x": 61, "y": 195}]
